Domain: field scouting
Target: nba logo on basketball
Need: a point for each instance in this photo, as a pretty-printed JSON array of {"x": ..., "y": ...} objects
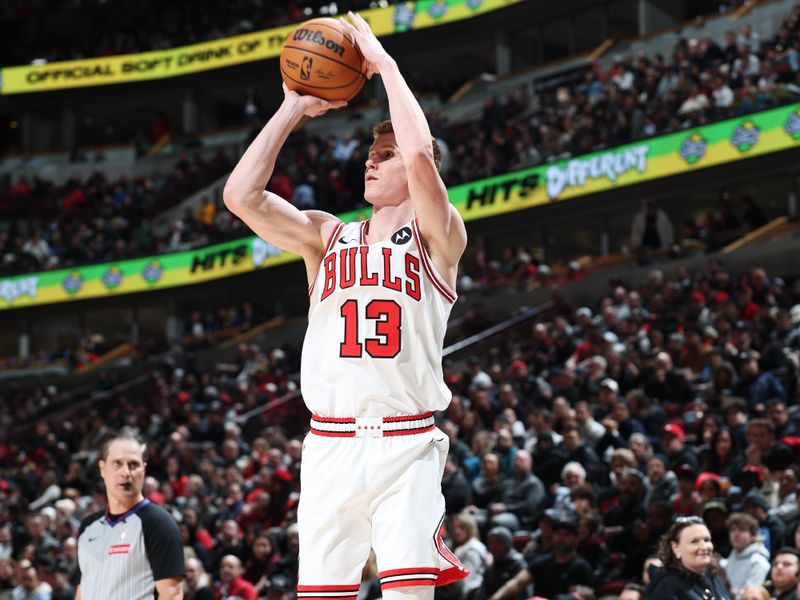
[{"x": 305, "y": 69}]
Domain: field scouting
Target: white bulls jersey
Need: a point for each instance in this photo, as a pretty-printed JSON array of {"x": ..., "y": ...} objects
[{"x": 376, "y": 326}]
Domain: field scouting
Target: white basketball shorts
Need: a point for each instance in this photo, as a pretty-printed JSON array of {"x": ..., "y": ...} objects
[{"x": 372, "y": 483}]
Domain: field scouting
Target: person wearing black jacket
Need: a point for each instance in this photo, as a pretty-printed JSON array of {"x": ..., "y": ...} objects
[
  {"x": 553, "y": 573},
  {"x": 688, "y": 572},
  {"x": 455, "y": 487},
  {"x": 523, "y": 495},
  {"x": 506, "y": 562}
]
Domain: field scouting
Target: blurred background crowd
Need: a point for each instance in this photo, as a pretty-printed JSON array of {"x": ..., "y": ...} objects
[
  {"x": 675, "y": 397},
  {"x": 635, "y": 392}
]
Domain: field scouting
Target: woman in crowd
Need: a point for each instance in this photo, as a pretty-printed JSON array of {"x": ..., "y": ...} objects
[
  {"x": 689, "y": 570},
  {"x": 471, "y": 551},
  {"x": 721, "y": 458},
  {"x": 262, "y": 562},
  {"x": 755, "y": 592}
]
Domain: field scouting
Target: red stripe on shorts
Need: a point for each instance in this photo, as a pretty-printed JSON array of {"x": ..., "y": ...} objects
[
  {"x": 333, "y": 419},
  {"x": 333, "y": 433},
  {"x": 328, "y": 588},
  {"x": 402, "y": 418},
  {"x": 303, "y": 595},
  {"x": 414, "y": 571},
  {"x": 408, "y": 431},
  {"x": 408, "y": 583}
]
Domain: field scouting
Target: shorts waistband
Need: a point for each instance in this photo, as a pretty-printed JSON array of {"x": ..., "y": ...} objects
[{"x": 372, "y": 426}]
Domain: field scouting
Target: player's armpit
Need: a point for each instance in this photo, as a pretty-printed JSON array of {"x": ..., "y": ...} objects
[
  {"x": 439, "y": 222},
  {"x": 170, "y": 589},
  {"x": 281, "y": 224},
  {"x": 78, "y": 593},
  {"x": 445, "y": 241}
]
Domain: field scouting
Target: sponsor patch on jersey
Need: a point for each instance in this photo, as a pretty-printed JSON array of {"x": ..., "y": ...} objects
[
  {"x": 402, "y": 236},
  {"x": 119, "y": 549}
]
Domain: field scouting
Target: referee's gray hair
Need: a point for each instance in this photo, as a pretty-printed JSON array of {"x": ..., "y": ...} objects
[{"x": 126, "y": 436}]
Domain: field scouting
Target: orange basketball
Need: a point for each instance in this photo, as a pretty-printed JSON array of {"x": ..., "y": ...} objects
[{"x": 320, "y": 59}]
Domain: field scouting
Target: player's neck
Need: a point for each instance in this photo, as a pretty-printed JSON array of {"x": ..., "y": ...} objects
[{"x": 386, "y": 220}]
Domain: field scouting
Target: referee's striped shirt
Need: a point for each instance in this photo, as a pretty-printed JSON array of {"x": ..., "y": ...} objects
[{"x": 120, "y": 557}]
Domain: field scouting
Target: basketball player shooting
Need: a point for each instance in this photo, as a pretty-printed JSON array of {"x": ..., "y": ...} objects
[{"x": 380, "y": 292}]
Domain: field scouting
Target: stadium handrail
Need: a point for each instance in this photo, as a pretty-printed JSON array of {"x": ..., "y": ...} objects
[
  {"x": 257, "y": 330},
  {"x": 745, "y": 8},
  {"x": 162, "y": 222},
  {"x": 124, "y": 350},
  {"x": 523, "y": 316},
  {"x": 763, "y": 232},
  {"x": 271, "y": 405}
]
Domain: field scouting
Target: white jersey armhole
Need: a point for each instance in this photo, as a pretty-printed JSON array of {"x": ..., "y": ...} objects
[
  {"x": 331, "y": 243},
  {"x": 430, "y": 269}
]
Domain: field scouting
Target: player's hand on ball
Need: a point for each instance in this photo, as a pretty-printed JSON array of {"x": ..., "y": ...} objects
[
  {"x": 366, "y": 41},
  {"x": 311, "y": 105}
]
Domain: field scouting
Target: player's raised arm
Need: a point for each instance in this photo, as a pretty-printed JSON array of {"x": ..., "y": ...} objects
[
  {"x": 440, "y": 223},
  {"x": 268, "y": 215}
]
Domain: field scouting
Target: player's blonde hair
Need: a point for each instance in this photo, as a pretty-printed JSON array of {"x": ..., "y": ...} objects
[{"x": 387, "y": 127}]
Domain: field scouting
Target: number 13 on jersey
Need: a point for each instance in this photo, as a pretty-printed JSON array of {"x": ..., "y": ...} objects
[{"x": 387, "y": 315}]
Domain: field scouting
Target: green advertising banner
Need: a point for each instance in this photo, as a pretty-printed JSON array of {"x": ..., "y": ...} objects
[
  {"x": 665, "y": 156},
  {"x": 673, "y": 154},
  {"x": 225, "y": 52}
]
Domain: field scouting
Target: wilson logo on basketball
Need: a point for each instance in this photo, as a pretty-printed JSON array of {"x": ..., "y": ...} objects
[{"x": 306, "y": 35}]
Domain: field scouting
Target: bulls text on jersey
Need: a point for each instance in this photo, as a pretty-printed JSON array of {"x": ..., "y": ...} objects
[{"x": 348, "y": 267}]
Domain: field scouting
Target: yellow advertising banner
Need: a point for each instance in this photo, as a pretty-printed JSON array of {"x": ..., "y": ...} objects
[{"x": 226, "y": 52}]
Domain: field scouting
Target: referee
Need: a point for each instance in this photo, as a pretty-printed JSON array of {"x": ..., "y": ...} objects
[{"x": 133, "y": 549}]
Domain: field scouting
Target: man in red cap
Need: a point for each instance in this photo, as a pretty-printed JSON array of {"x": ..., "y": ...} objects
[{"x": 673, "y": 441}]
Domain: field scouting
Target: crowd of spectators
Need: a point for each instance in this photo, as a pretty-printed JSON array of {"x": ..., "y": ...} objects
[
  {"x": 633, "y": 98},
  {"x": 97, "y": 220},
  {"x": 205, "y": 327},
  {"x": 574, "y": 442}
]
